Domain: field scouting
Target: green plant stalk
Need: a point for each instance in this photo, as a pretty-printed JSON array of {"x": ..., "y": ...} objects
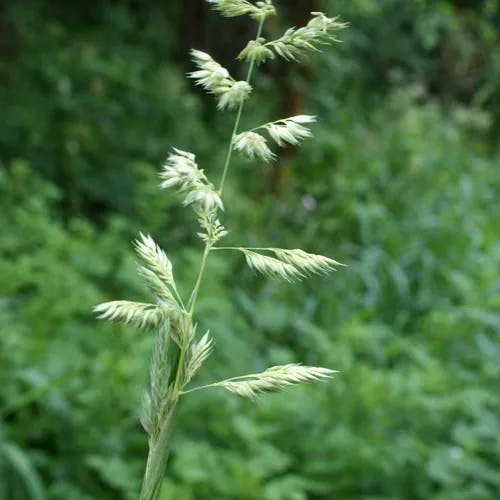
[
  {"x": 159, "y": 449},
  {"x": 238, "y": 118},
  {"x": 157, "y": 459}
]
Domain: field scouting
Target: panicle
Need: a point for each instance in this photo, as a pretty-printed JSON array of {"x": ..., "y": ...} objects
[{"x": 216, "y": 79}]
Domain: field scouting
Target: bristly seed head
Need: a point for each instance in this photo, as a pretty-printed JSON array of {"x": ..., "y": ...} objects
[
  {"x": 290, "y": 130},
  {"x": 256, "y": 51},
  {"x": 181, "y": 172},
  {"x": 216, "y": 79},
  {"x": 294, "y": 43},
  {"x": 136, "y": 314},
  {"x": 274, "y": 379},
  {"x": 289, "y": 265},
  {"x": 253, "y": 145},
  {"x": 234, "y": 8}
]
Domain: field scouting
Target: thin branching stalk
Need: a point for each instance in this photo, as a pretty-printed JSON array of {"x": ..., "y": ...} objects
[
  {"x": 238, "y": 116},
  {"x": 178, "y": 351},
  {"x": 158, "y": 453}
]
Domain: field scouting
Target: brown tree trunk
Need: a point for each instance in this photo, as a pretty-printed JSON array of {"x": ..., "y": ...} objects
[
  {"x": 192, "y": 25},
  {"x": 293, "y": 96}
]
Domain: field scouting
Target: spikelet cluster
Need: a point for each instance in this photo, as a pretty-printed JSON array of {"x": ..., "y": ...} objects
[
  {"x": 253, "y": 145},
  {"x": 256, "y": 51},
  {"x": 136, "y": 314},
  {"x": 154, "y": 258},
  {"x": 216, "y": 79},
  {"x": 213, "y": 229},
  {"x": 235, "y": 8},
  {"x": 285, "y": 131},
  {"x": 294, "y": 43},
  {"x": 306, "y": 263},
  {"x": 198, "y": 353},
  {"x": 275, "y": 379},
  {"x": 290, "y": 130},
  {"x": 180, "y": 171},
  {"x": 289, "y": 265},
  {"x": 271, "y": 267},
  {"x": 157, "y": 398},
  {"x": 156, "y": 270}
]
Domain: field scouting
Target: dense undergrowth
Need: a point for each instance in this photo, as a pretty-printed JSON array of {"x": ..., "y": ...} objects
[{"x": 407, "y": 193}]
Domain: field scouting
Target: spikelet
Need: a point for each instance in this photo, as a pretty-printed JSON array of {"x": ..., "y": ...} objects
[
  {"x": 296, "y": 42},
  {"x": 290, "y": 130},
  {"x": 161, "y": 291},
  {"x": 275, "y": 379},
  {"x": 288, "y": 264},
  {"x": 198, "y": 353},
  {"x": 181, "y": 172},
  {"x": 135, "y": 314},
  {"x": 306, "y": 263},
  {"x": 216, "y": 79},
  {"x": 214, "y": 230},
  {"x": 154, "y": 258},
  {"x": 256, "y": 51},
  {"x": 253, "y": 145},
  {"x": 158, "y": 398},
  {"x": 271, "y": 267},
  {"x": 235, "y": 8}
]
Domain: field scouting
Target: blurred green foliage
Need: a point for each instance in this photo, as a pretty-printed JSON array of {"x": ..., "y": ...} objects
[{"x": 401, "y": 182}]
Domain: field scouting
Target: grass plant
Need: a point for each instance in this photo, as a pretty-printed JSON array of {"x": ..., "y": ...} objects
[{"x": 180, "y": 350}]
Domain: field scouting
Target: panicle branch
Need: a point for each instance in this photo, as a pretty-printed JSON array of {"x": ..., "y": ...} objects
[
  {"x": 275, "y": 379},
  {"x": 287, "y": 264},
  {"x": 295, "y": 43}
]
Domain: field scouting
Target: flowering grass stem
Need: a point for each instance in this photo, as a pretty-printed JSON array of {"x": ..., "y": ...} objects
[{"x": 178, "y": 353}]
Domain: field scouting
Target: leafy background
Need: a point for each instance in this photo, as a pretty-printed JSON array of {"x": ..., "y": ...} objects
[{"x": 401, "y": 182}]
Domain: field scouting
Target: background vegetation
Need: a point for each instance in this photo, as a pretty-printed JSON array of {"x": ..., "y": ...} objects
[{"x": 401, "y": 183}]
